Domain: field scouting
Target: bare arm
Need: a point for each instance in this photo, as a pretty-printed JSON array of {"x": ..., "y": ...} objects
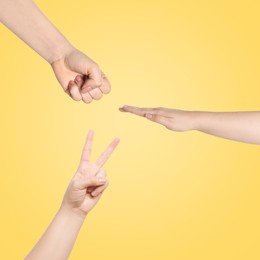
[
  {"x": 58, "y": 240},
  {"x": 238, "y": 126},
  {"x": 27, "y": 21},
  {"x": 83, "y": 193}
]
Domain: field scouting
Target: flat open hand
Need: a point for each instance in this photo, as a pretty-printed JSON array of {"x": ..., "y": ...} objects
[
  {"x": 80, "y": 77},
  {"x": 173, "y": 119},
  {"x": 87, "y": 185}
]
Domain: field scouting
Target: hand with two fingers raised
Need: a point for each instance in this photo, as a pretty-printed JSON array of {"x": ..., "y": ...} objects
[{"x": 89, "y": 182}]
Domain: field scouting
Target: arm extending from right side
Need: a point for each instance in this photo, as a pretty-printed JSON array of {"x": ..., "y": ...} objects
[{"x": 237, "y": 126}]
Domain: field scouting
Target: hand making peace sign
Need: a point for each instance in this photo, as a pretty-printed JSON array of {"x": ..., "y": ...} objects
[{"x": 87, "y": 185}]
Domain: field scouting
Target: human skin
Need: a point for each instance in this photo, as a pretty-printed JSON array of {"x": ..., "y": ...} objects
[
  {"x": 80, "y": 77},
  {"x": 237, "y": 126},
  {"x": 83, "y": 193}
]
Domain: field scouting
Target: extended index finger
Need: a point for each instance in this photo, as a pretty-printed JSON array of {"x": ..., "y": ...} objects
[
  {"x": 107, "y": 153},
  {"x": 85, "y": 157}
]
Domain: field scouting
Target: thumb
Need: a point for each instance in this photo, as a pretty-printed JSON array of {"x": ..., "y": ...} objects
[
  {"x": 159, "y": 119},
  {"x": 90, "y": 182},
  {"x": 93, "y": 79}
]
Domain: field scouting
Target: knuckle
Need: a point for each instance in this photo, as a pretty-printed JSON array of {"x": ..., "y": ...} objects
[
  {"x": 98, "y": 82},
  {"x": 74, "y": 183},
  {"x": 105, "y": 88},
  {"x": 96, "y": 67},
  {"x": 102, "y": 172}
]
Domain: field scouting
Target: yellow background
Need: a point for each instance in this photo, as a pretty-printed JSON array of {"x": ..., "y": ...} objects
[{"x": 172, "y": 195}]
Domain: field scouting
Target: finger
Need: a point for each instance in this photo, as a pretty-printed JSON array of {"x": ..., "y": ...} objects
[
  {"x": 99, "y": 190},
  {"x": 94, "y": 78},
  {"x": 159, "y": 119},
  {"x": 90, "y": 182},
  {"x": 85, "y": 157},
  {"x": 79, "y": 80},
  {"x": 101, "y": 174},
  {"x": 105, "y": 87},
  {"x": 74, "y": 91},
  {"x": 67, "y": 91},
  {"x": 107, "y": 153},
  {"x": 139, "y": 111},
  {"x": 86, "y": 98},
  {"x": 95, "y": 93}
]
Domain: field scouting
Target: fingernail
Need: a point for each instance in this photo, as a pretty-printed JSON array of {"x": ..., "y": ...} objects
[
  {"x": 149, "y": 116},
  {"x": 101, "y": 180},
  {"x": 79, "y": 78}
]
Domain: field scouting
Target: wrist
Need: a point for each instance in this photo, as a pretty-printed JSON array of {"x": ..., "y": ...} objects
[
  {"x": 71, "y": 213},
  {"x": 199, "y": 118},
  {"x": 196, "y": 118},
  {"x": 59, "y": 52}
]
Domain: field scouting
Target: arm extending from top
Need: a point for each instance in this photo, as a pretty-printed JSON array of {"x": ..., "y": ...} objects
[{"x": 80, "y": 77}]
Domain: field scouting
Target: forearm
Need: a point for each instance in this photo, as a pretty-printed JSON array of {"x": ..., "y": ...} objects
[
  {"x": 238, "y": 126},
  {"x": 26, "y": 20},
  {"x": 59, "y": 238}
]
